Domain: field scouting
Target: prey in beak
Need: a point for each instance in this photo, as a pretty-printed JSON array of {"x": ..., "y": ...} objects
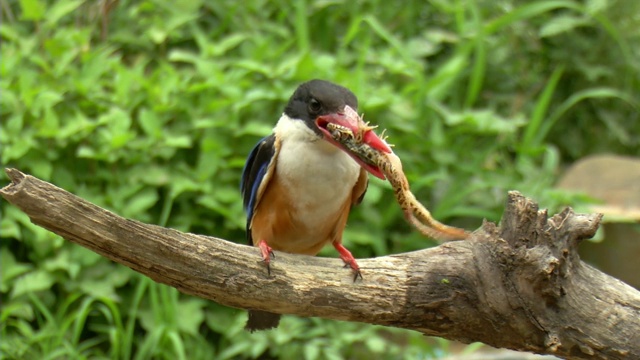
[{"x": 350, "y": 119}]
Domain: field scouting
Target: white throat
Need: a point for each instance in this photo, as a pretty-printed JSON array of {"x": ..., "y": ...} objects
[{"x": 320, "y": 175}]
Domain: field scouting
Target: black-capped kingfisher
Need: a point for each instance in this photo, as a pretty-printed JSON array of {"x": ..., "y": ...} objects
[{"x": 299, "y": 185}]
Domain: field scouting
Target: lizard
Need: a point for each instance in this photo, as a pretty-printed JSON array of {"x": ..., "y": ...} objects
[{"x": 391, "y": 166}]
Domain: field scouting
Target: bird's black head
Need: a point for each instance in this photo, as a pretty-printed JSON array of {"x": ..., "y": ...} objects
[
  {"x": 318, "y": 103},
  {"x": 316, "y": 98}
]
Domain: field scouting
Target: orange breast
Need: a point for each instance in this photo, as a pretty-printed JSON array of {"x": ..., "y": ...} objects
[{"x": 278, "y": 222}]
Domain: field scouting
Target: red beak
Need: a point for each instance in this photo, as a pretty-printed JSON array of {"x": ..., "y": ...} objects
[{"x": 350, "y": 119}]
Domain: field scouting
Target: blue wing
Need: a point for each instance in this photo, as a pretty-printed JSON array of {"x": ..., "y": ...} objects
[{"x": 255, "y": 172}]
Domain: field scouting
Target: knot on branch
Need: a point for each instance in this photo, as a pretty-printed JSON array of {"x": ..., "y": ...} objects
[
  {"x": 16, "y": 177},
  {"x": 524, "y": 225},
  {"x": 540, "y": 251}
]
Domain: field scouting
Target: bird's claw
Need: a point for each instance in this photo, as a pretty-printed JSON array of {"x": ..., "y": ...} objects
[
  {"x": 267, "y": 255},
  {"x": 356, "y": 270},
  {"x": 349, "y": 260}
]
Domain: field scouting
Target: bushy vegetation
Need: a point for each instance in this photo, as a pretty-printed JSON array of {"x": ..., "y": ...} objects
[{"x": 148, "y": 108}]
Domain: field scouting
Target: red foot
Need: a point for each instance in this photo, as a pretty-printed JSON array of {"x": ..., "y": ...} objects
[
  {"x": 267, "y": 254},
  {"x": 349, "y": 260}
]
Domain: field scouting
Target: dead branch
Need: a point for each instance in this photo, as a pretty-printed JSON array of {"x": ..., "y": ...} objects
[{"x": 520, "y": 286}]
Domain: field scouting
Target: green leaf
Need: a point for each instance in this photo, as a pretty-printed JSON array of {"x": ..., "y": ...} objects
[
  {"x": 179, "y": 141},
  {"x": 32, "y": 9},
  {"x": 441, "y": 82},
  {"x": 530, "y": 10},
  {"x": 62, "y": 261},
  {"x": 102, "y": 279},
  {"x": 9, "y": 225},
  {"x": 157, "y": 35},
  {"x": 181, "y": 184},
  {"x": 191, "y": 315},
  {"x": 311, "y": 351},
  {"x": 9, "y": 33},
  {"x": 45, "y": 100},
  {"x": 121, "y": 140},
  {"x": 178, "y": 345},
  {"x": 228, "y": 43},
  {"x": 10, "y": 268},
  {"x": 35, "y": 281},
  {"x": 117, "y": 120},
  {"x": 141, "y": 202},
  {"x": 561, "y": 24},
  {"x": 118, "y": 133},
  {"x": 389, "y": 37},
  {"x": 484, "y": 122},
  {"x": 17, "y": 149},
  {"x": 60, "y": 9},
  {"x": 16, "y": 309},
  {"x": 596, "y": 6},
  {"x": 538, "y": 116},
  {"x": 594, "y": 93},
  {"x": 150, "y": 123},
  {"x": 376, "y": 344},
  {"x": 75, "y": 125},
  {"x": 222, "y": 320}
]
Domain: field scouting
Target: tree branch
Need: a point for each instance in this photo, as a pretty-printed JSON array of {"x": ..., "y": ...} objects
[{"x": 520, "y": 286}]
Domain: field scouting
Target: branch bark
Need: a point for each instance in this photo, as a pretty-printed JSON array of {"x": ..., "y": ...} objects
[{"x": 520, "y": 286}]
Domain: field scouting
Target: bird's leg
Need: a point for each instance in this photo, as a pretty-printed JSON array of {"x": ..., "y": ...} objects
[
  {"x": 267, "y": 254},
  {"x": 348, "y": 259}
]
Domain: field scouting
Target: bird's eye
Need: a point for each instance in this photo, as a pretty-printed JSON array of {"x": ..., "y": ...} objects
[{"x": 315, "y": 106}]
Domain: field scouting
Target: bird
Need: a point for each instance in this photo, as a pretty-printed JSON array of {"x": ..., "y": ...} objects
[{"x": 299, "y": 185}]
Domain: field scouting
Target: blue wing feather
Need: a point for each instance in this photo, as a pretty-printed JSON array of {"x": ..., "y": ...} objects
[{"x": 253, "y": 175}]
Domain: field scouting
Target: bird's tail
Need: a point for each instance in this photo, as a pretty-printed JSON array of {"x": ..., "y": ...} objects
[{"x": 262, "y": 320}]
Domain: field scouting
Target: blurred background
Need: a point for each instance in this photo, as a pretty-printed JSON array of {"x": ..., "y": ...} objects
[{"x": 149, "y": 108}]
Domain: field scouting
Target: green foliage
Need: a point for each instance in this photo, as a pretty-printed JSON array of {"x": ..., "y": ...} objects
[{"x": 149, "y": 109}]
